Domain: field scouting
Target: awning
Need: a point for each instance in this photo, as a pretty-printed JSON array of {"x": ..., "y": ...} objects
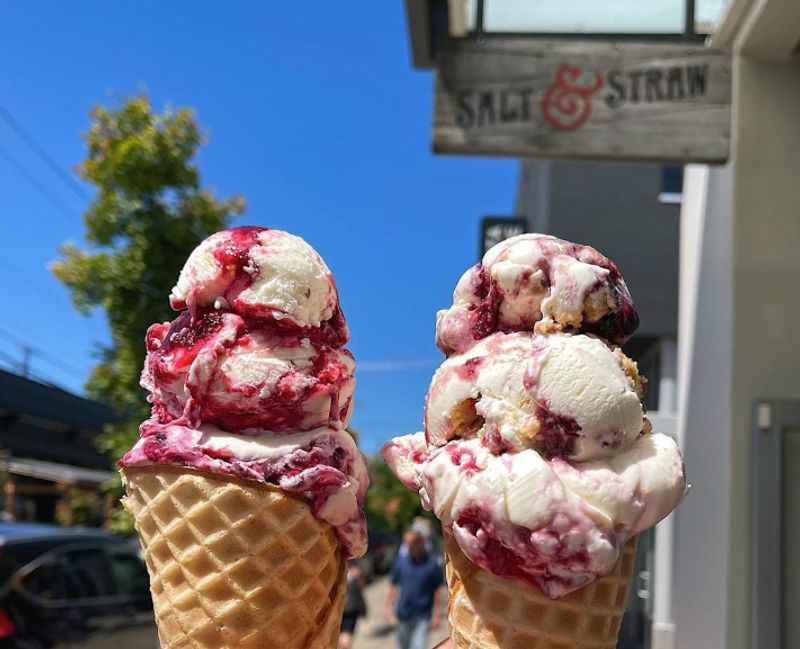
[{"x": 57, "y": 472}]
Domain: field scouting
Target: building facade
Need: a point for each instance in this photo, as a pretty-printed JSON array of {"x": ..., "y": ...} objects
[
  {"x": 722, "y": 572},
  {"x": 50, "y": 468}
]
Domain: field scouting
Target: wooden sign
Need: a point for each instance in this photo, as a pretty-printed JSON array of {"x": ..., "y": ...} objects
[{"x": 589, "y": 100}]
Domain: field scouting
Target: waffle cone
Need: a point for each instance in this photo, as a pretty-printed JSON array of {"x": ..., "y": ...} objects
[
  {"x": 488, "y": 612},
  {"x": 235, "y": 565}
]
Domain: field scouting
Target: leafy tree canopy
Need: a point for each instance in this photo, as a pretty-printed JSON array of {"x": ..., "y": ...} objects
[
  {"x": 390, "y": 505},
  {"x": 148, "y": 213}
]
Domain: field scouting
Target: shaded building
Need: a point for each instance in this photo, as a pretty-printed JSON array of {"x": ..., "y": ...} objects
[
  {"x": 48, "y": 455},
  {"x": 631, "y": 213}
]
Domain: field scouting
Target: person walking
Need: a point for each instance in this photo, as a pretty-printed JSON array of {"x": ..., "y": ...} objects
[
  {"x": 416, "y": 592},
  {"x": 355, "y": 606}
]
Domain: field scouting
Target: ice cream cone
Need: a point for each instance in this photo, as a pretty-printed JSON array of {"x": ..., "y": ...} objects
[
  {"x": 489, "y": 612},
  {"x": 235, "y": 564}
]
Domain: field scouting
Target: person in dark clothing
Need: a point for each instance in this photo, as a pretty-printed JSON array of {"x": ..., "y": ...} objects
[
  {"x": 416, "y": 592},
  {"x": 355, "y": 606}
]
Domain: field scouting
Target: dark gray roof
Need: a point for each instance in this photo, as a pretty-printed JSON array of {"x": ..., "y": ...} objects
[
  {"x": 44, "y": 422},
  {"x": 20, "y": 394}
]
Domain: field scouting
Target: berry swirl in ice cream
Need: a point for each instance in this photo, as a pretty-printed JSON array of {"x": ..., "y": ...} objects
[
  {"x": 536, "y": 279},
  {"x": 536, "y": 454},
  {"x": 554, "y": 523},
  {"x": 263, "y": 274},
  {"x": 216, "y": 369},
  {"x": 251, "y": 380},
  {"x": 323, "y": 466},
  {"x": 564, "y": 395}
]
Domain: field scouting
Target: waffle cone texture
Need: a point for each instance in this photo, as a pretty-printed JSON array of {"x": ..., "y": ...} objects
[
  {"x": 235, "y": 564},
  {"x": 490, "y": 612}
]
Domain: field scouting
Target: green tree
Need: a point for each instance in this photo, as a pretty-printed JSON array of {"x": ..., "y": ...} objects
[
  {"x": 390, "y": 505},
  {"x": 80, "y": 507},
  {"x": 148, "y": 213}
]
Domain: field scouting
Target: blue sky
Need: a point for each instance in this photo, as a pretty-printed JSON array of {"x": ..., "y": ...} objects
[{"x": 313, "y": 114}]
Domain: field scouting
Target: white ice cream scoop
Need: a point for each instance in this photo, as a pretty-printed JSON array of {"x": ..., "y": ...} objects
[
  {"x": 564, "y": 395},
  {"x": 258, "y": 272}
]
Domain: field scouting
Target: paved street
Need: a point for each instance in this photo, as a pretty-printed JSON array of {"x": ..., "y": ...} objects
[{"x": 372, "y": 632}]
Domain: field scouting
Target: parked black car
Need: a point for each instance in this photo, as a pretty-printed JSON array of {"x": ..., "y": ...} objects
[{"x": 65, "y": 588}]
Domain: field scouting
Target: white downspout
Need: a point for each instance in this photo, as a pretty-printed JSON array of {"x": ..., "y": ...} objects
[
  {"x": 673, "y": 390},
  {"x": 663, "y": 626}
]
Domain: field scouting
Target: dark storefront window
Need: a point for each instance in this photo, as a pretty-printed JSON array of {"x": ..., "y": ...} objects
[{"x": 671, "y": 184}]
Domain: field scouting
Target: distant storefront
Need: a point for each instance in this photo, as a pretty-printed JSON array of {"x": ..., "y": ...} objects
[{"x": 50, "y": 469}]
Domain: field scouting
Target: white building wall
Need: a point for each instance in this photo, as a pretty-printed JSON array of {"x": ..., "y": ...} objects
[
  {"x": 739, "y": 332},
  {"x": 766, "y": 318},
  {"x": 705, "y": 369}
]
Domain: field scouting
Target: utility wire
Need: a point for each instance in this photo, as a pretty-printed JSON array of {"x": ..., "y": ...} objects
[
  {"x": 24, "y": 344},
  {"x": 45, "y": 157},
  {"x": 7, "y": 117},
  {"x": 36, "y": 184},
  {"x": 14, "y": 366},
  {"x": 43, "y": 355},
  {"x": 10, "y": 360}
]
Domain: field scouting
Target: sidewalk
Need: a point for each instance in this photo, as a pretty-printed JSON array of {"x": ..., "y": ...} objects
[{"x": 372, "y": 632}]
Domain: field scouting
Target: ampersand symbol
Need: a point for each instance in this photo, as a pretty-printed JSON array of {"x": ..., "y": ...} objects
[{"x": 567, "y": 104}]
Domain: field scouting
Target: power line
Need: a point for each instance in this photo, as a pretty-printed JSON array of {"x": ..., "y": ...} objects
[
  {"x": 43, "y": 355},
  {"x": 12, "y": 364},
  {"x": 45, "y": 157},
  {"x": 10, "y": 360},
  {"x": 36, "y": 184}
]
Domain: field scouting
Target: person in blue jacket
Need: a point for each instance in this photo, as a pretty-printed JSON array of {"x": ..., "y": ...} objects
[{"x": 416, "y": 593}]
